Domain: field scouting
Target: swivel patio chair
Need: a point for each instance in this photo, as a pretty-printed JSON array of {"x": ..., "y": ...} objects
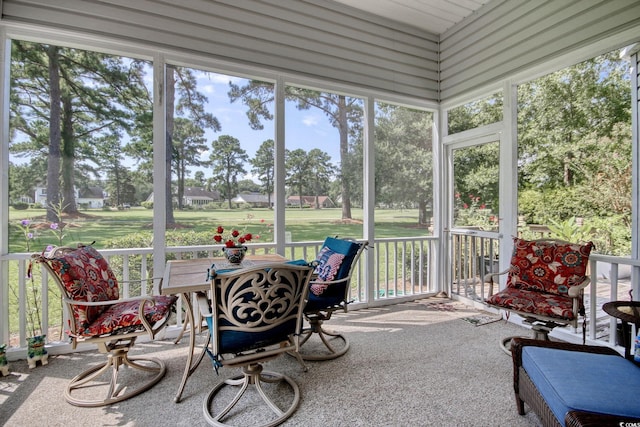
[
  {"x": 329, "y": 291},
  {"x": 97, "y": 315},
  {"x": 545, "y": 285},
  {"x": 254, "y": 315}
]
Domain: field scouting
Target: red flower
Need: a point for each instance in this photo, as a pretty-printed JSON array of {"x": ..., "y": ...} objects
[{"x": 231, "y": 238}]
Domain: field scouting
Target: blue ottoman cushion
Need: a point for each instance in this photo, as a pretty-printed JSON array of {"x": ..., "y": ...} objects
[{"x": 572, "y": 380}]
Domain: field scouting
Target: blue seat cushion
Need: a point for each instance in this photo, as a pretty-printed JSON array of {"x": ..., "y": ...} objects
[
  {"x": 233, "y": 342},
  {"x": 322, "y": 302},
  {"x": 574, "y": 380}
]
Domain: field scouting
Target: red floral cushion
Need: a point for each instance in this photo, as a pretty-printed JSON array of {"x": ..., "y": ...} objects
[
  {"x": 545, "y": 304},
  {"x": 125, "y": 315},
  {"x": 545, "y": 266},
  {"x": 87, "y": 277}
]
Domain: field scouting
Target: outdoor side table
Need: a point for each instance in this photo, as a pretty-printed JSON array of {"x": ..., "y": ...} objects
[{"x": 628, "y": 312}]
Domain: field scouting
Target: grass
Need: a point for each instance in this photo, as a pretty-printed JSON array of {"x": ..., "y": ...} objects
[{"x": 104, "y": 226}]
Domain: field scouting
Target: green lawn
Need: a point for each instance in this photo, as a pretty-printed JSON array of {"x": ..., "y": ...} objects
[{"x": 109, "y": 228}]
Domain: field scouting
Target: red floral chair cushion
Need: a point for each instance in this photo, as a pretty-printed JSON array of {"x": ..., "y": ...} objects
[
  {"x": 545, "y": 266},
  {"x": 544, "y": 304},
  {"x": 86, "y": 276},
  {"x": 125, "y": 315}
]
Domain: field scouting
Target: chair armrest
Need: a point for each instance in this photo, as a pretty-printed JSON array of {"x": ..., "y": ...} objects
[
  {"x": 576, "y": 290},
  {"x": 107, "y": 302},
  {"x": 489, "y": 278},
  {"x": 329, "y": 282},
  {"x": 203, "y": 304}
]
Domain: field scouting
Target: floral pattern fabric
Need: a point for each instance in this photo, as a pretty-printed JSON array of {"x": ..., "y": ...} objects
[
  {"x": 126, "y": 315},
  {"x": 550, "y": 267},
  {"x": 86, "y": 275},
  {"x": 524, "y": 301}
]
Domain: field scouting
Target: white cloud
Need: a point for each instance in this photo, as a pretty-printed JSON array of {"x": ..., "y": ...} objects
[{"x": 310, "y": 120}]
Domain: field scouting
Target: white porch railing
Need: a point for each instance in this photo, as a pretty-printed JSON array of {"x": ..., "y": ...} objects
[
  {"x": 402, "y": 268},
  {"x": 612, "y": 278}
]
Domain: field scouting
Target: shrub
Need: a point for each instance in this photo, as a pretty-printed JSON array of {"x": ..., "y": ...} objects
[
  {"x": 20, "y": 206},
  {"x": 539, "y": 207},
  {"x": 147, "y": 205}
]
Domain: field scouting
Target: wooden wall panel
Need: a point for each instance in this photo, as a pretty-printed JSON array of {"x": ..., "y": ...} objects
[
  {"x": 311, "y": 38},
  {"x": 509, "y": 36}
]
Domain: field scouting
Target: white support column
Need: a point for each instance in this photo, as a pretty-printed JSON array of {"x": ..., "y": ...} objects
[
  {"x": 442, "y": 259},
  {"x": 635, "y": 175},
  {"x": 5, "y": 67},
  {"x": 508, "y": 181},
  {"x": 369, "y": 195},
  {"x": 159, "y": 168},
  {"x": 279, "y": 172}
]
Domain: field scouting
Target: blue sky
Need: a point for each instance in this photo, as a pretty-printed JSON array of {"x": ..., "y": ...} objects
[{"x": 305, "y": 129}]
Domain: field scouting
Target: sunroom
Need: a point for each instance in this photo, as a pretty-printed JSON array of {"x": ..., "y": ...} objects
[{"x": 390, "y": 115}]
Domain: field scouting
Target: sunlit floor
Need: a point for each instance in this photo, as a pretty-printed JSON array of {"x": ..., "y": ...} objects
[{"x": 429, "y": 362}]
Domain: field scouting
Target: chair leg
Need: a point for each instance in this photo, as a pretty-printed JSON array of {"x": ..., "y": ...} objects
[
  {"x": 82, "y": 383},
  {"x": 327, "y": 338},
  {"x": 252, "y": 374}
]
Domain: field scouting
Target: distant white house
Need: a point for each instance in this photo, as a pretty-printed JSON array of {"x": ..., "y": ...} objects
[
  {"x": 323, "y": 201},
  {"x": 92, "y": 197},
  {"x": 195, "y": 196},
  {"x": 254, "y": 200}
]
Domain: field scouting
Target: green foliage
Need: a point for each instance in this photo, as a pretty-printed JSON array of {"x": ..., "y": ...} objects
[
  {"x": 473, "y": 213},
  {"x": 571, "y": 230},
  {"x": 147, "y": 205},
  {"x": 539, "y": 207},
  {"x": 20, "y": 206},
  {"x": 475, "y": 114},
  {"x": 611, "y": 235}
]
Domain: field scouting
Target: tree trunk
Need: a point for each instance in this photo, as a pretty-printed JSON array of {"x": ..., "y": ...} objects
[
  {"x": 344, "y": 153},
  {"x": 422, "y": 213},
  {"x": 53, "y": 167},
  {"x": 229, "y": 187},
  {"x": 170, "y": 99},
  {"x": 180, "y": 173},
  {"x": 69, "y": 205}
]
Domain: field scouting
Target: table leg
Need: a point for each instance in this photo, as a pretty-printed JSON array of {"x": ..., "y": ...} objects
[
  {"x": 188, "y": 369},
  {"x": 181, "y": 334}
]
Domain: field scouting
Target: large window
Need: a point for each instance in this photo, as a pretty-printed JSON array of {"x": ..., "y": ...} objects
[
  {"x": 323, "y": 161},
  {"x": 222, "y": 156},
  {"x": 475, "y": 186},
  {"x": 80, "y": 123},
  {"x": 574, "y": 151},
  {"x": 404, "y": 171}
]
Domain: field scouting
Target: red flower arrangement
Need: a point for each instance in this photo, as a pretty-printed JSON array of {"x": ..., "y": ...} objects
[{"x": 231, "y": 239}]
